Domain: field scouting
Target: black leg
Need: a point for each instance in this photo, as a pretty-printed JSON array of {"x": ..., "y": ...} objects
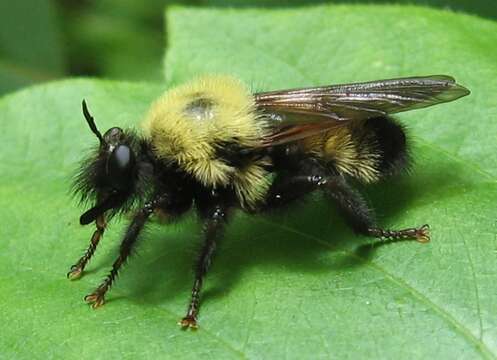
[
  {"x": 350, "y": 203},
  {"x": 360, "y": 217},
  {"x": 96, "y": 298},
  {"x": 213, "y": 227},
  {"x": 294, "y": 184},
  {"x": 421, "y": 234},
  {"x": 77, "y": 269},
  {"x": 287, "y": 190}
]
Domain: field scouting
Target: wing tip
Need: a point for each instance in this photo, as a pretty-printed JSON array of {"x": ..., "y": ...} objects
[
  {"x": 456, "y": 91},
  {"x": 453, "y": 90},
  {"x": 462, "y": 91}
]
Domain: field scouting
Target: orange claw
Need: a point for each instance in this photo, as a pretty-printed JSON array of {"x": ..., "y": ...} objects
[
  {"x": 188, "y": 322},
  {"x": 95, "y": 300},
  {"x": 423, "y": 234},
  {"x": 75, "y": 273}
]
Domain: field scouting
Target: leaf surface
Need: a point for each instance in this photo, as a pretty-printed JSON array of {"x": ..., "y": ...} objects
[{"x": 295, "y": 285}]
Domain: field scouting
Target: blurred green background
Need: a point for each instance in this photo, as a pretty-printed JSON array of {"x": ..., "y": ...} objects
[{"x": 42, "y": 40}]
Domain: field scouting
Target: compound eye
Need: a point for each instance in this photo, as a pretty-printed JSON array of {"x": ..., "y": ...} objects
[{"x": 119, "y": 167}]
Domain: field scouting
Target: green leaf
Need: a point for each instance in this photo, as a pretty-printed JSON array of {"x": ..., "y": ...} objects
[
  {"x": 30, "y": 46},
  {"x": 296, "y": 285}
]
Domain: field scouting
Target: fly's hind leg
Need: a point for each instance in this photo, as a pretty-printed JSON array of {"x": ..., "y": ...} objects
[
  {"x": 287, "y": 189},
  {"x": 359, "y": 216},
  {"x": 420, "y": 234}
]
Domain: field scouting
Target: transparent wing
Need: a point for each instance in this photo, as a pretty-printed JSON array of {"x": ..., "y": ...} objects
[{"x": 298, "y": 113}]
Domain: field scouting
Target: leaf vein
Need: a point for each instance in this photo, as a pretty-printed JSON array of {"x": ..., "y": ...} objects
[{"x": 445, "y": 315}]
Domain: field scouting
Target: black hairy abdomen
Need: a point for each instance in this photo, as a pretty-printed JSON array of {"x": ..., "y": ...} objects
[{"x": 391, "y": 143}]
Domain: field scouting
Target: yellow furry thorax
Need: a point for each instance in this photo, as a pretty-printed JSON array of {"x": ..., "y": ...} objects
[{"x": 187, "y": 124}]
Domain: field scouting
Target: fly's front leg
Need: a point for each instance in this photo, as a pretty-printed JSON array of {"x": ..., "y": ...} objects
[
  {"x": 96, "y": 298},
  {"x": 213, "y": 227},
  {"x": 77, "y": 269}
]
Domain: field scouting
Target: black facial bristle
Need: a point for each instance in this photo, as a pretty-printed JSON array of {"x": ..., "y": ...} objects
[{"x": 91, "y": 122}]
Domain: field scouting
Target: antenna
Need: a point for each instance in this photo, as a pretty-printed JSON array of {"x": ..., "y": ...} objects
[{"x": 91, "y": 123}]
